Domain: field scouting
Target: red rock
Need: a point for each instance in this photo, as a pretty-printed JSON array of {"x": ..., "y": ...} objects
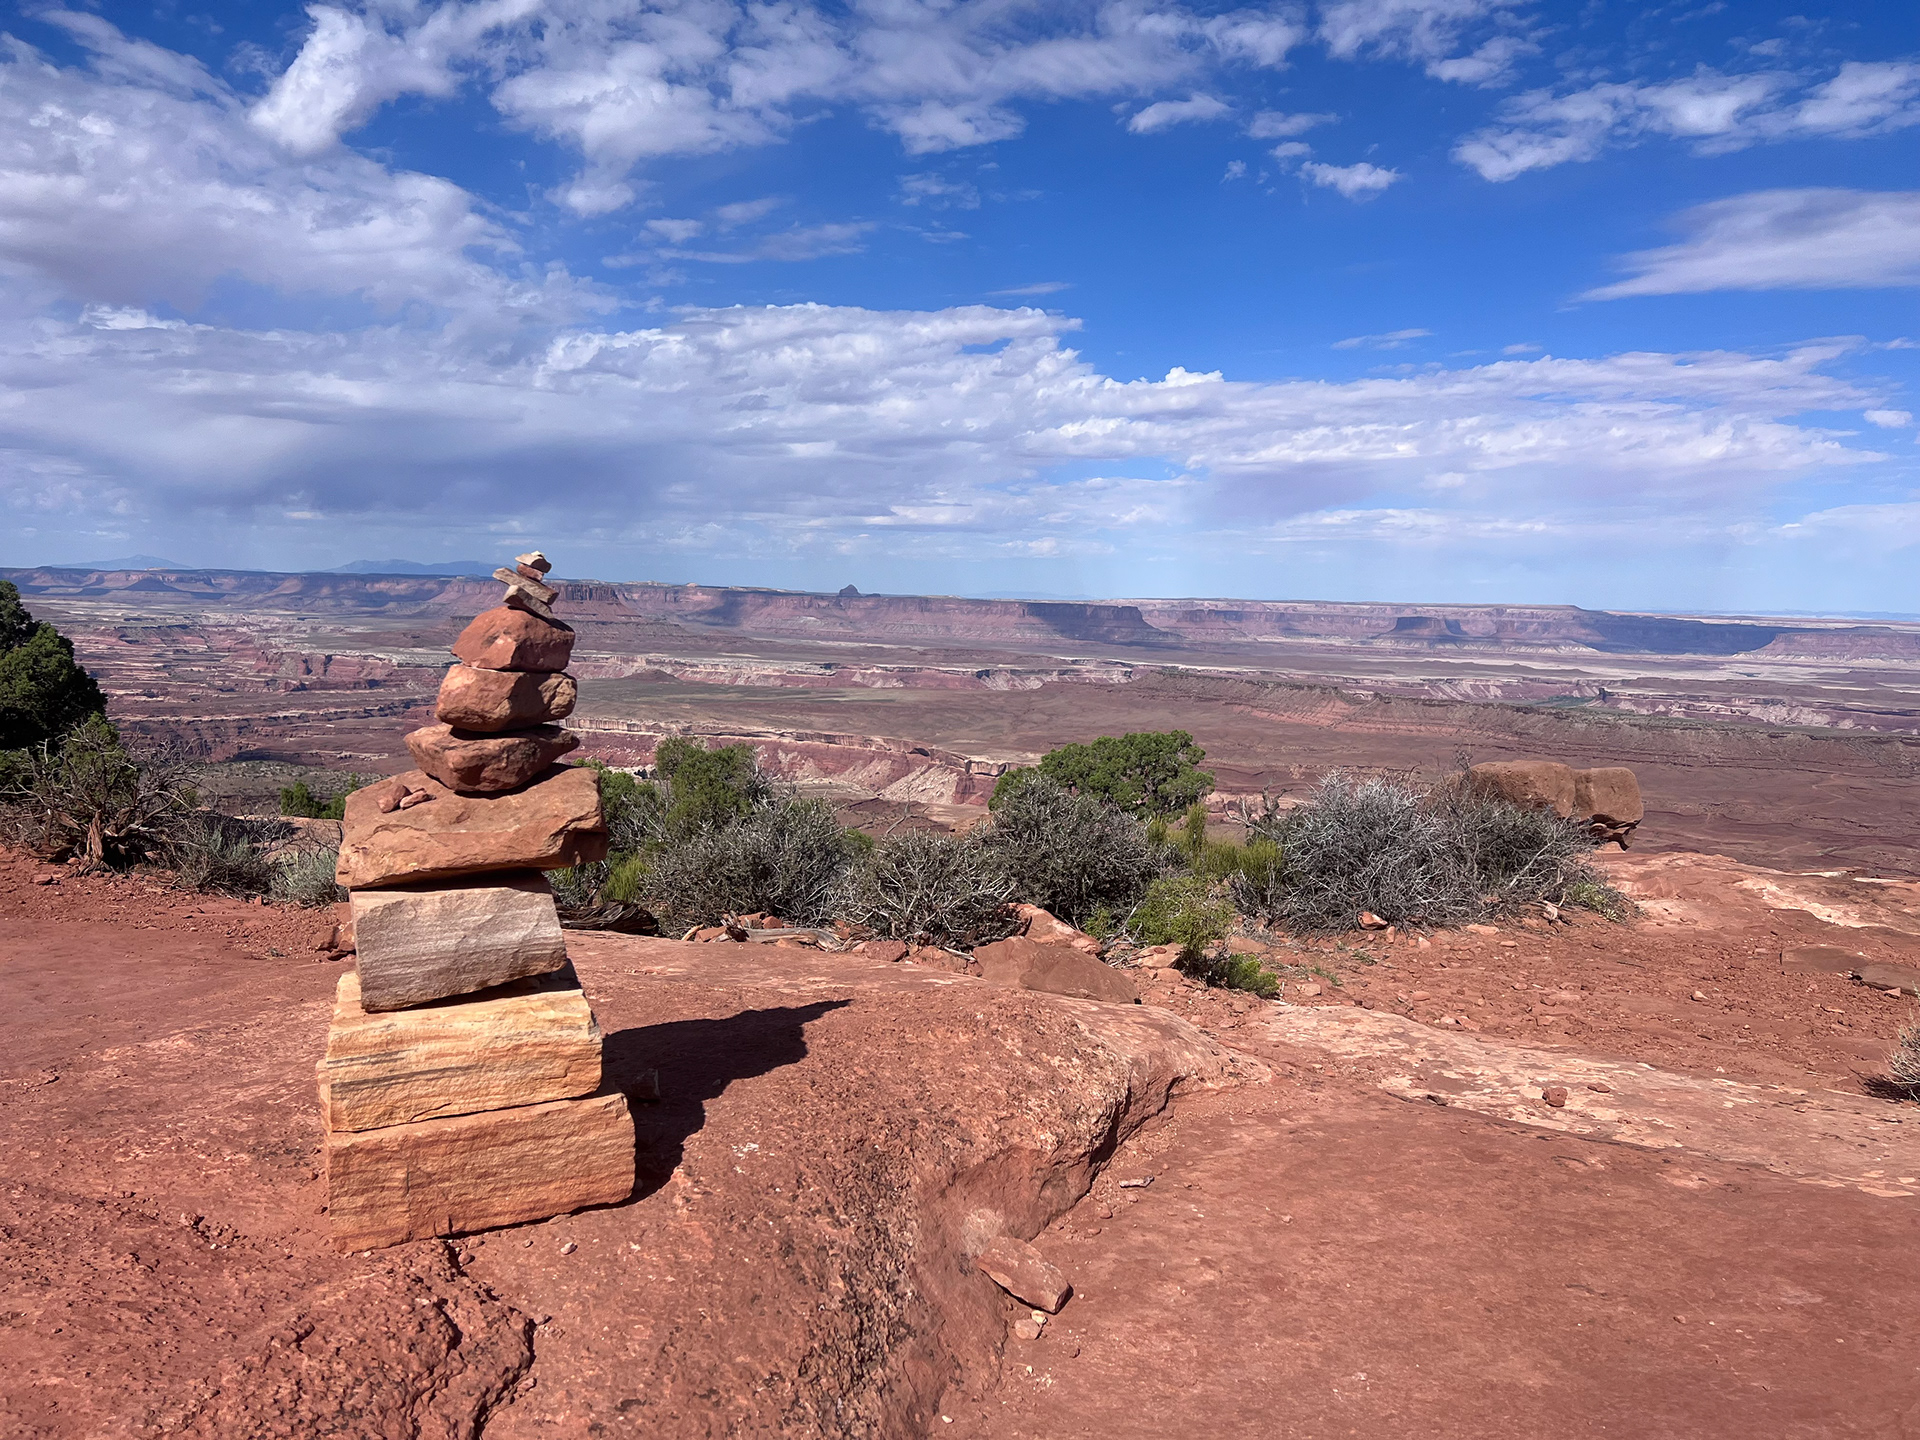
[
  {"x": 1611, "y": 793},
  {"x": 506, "y": 638},
  {"x": 474, "y": 1172},
  {"x": 1054, "y": 970},
  {"x": 883, "y": 950},
  {"x": 419, "y": 943},
  {"x": 1891, "y": 977},
  {"x": 1555, "y": 1095},
  {"x": 938, "y": 959},
  {"x": 1535, "y": 784},
  {"x": 1370, "y": 921},
  {"x": 548, "y": 825},
  {"x": 1599, "y": 1087},
  {"x": 1020, "y": 1270},
  {"x": 533, "y": 560},
  {"x": 521, "y": 596},
  {"x": 1038, "y": 924},
  {"x": 529, "y": 584},
  {"x": 488, "y": 764},
  {"x": 492, "y": 700}
]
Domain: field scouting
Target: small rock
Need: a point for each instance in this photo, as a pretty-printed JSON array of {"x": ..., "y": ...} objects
[
  {"x": 1308, "y": 989},
  {"x": 1140, "y": 1184},
  {"x": 1370, "y": 921},
  {"x": 1555, "y": 1095},
  {"x": 1699, "y": 995},
  {"x": 1420, "y": 995},
  {"x": 1025, "y": 1329},
  {"x": 570, "y": 1247},
  {"x": 1599, "y": 1087},
  {"x": 1020, "y": 1270}
]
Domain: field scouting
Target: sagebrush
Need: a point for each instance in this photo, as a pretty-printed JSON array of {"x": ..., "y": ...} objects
[
  {"x": 930, "y": 888},
  {"x": 1071, "y": 854}
]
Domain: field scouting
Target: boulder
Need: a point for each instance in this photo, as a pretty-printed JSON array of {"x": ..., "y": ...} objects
[
  {"x": 519, "y": 1044},
  {"x": 492, "y": 700},
  {"x": 488, "y": 764},
  {"x": 507, "y": 638},
  {"x": 1041, "y": 925},
  {"x": 474, "y": 1172},
  {"x": 1883, "y": 976},
  {"x": 1535, "y": 784},
  {"x": 1020, "y": 1270},
  {"x": 546, "y": 826},
  {"x": 1611, "y": 793},
  {"x": 1052, "y": 969},
  {"x": 418, "y": 943}
]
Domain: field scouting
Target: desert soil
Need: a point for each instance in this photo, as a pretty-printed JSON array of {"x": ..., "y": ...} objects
[{"x": 1362, "y": 1220}]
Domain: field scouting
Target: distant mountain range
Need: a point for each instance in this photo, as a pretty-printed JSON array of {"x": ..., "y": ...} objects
[
  {"x": 125, "y": 562},
  {"x": 415, "y": 567}
]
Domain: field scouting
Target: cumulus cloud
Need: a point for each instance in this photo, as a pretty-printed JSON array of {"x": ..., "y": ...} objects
[
  {"x": 1809, "y": 239},
  {"x": 141, "y": 180},
  {"x": 1163, "y": 113},
  {"x": 622, "y": 83},
  {"x": 1357, "y": 182},
  {"x": 1715, "y": 111}
]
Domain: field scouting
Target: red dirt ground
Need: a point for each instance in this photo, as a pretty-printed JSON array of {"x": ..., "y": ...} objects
[{"x": 1313, "y": 1258}]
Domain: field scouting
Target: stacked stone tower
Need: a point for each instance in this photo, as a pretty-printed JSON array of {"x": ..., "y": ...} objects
[{"x": 462, "y": 1082}]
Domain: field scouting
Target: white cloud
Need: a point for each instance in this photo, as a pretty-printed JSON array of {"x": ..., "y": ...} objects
[
  {"x": 1291, "y": 152},
  {"x": 1356, "y": 182},
  {"x": 1277, "y": 124},
  {"x": 676, "y": 232},
  {"x": 1162, "y": 113},
  {"x": 624, "y": 84},
  {"x": 1888, "y": 419},
  {"x": 1392, "y": 340},
  {"x": 141, "y": 181},
  {"x": 1815, "y": 239},
  {"x": 1431, "y": 32},
  {"x": 1716, "y": 112},
  {"x": 745, "y": 212},
  {"x": 1044, "y": 287},
  {"x": 768, "y": 430},
  {"x": 937, "y": 192},
  {"x": 1236, "y": 170},
  {"x": 800, "y": 242}
]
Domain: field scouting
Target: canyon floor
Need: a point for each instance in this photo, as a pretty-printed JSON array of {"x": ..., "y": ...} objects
[
  {"x": 1790, "y": 743},
  {"x": 1346, "y": 1212}
]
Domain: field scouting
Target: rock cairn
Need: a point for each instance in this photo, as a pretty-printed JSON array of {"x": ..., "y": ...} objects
[{"x": 462, "y": 1083}]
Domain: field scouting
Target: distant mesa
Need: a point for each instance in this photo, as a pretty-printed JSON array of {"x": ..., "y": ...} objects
[
  {"x": 849, "y": 592},
  {"x": 125, "y": 562},
  {"x": 415, "y": 567}
]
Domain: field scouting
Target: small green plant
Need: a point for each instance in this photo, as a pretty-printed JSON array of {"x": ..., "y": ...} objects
[
  {"x": 1179, "y": 910},
  {"x": 299, "y": 801},
  {"x": 1601, "y": 898},
  {"x": 1101, "y": 925},
  {"x": 1146, "y": 773},
  {"x": 1237, "y": 972}
]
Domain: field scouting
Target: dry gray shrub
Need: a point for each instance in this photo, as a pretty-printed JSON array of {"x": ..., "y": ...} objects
[
  {"x": 789, "y": 858},
  {"x": 223, "y": 854},
  {"x": 1903, "y": 1065},
  {"x": 930, "y": 888},
  {"x": 304, "y": 876},
  {"x": 1071, "y": 854},
  {"x": 1416, "y": 854}
]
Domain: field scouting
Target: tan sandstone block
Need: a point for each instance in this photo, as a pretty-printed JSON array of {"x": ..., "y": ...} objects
[
  {"x": 519, "y": 1044},
  {"x": 417, "y": 943},
  {"x": 491, "y": 700},
  {"x": 1611, "y": 793},
  {"x": 473, "y": 1172},
  {"x": 1534, "y": 784},
  {"x": 552, "y": 823}
]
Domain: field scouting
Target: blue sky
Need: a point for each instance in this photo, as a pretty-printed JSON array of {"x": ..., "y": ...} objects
[{"x": 1469, "y": 300}]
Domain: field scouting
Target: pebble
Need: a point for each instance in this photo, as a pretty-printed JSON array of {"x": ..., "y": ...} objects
[
  {"x": 1599, "y": 1087},
  {"x": 1555, "y": 1095},
  {"x": 1025, "y": 1329},
  {"x": 1699, "y": 995},
  {"x": 568, "y": 1248}
]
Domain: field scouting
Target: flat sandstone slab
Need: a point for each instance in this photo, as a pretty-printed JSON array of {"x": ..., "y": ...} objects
[
  {"x": 552, "y": 823},
  {"x": 417, "y": 943},
  {"x": 490, "y": 700},
  {"x": 474, "y": 1172},
  {"x": 521, "y": 1044}
]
